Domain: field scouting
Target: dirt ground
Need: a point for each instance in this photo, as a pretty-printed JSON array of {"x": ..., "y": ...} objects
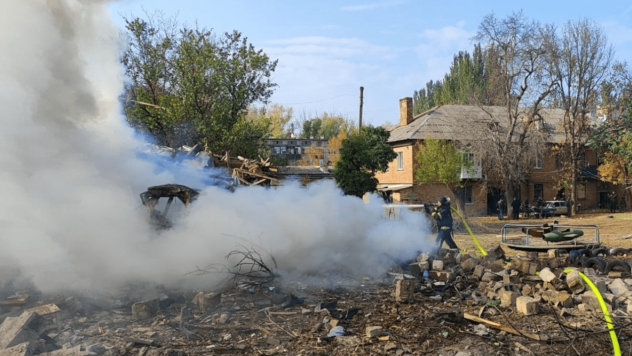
[{"x": 613, "y": 229}]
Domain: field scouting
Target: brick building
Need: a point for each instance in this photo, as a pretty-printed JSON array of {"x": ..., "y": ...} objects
[{"x": 454, "y": 122}]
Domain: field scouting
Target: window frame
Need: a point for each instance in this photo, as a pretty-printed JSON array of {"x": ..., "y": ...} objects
[
  {"x": 400, "y": 161},
  {"x": 539, "y": 162}
]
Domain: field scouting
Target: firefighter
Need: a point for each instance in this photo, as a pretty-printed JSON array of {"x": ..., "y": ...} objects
[{"x": 443, "y": 216}]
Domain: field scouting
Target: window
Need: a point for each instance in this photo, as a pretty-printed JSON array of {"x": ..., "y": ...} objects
[
  {"x": 581, "y": 191},
  {"x": 558, "y": 161},
  {"x": 582, "y": 160},
  {"x": 538, "y": 162},
  {"x": 468, "y": 158},
  {"x": 467, "y": 194},
  {"x": 400, "y": 161},
  {"x": 538, "y": 192}
]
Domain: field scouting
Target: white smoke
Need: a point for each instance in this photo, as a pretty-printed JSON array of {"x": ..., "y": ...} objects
[{"x": 71, "y": 216}]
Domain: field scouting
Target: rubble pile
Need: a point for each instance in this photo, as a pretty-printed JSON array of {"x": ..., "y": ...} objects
[{"x": 449, "y": 304}]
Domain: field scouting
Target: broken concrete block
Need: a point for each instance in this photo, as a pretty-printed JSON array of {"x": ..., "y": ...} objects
[
  {"x": 527, "y": 290},
  {"x": 590, "y": 298},
  {"x": 490, "y": 277},
  {"x": 443, "y": 276},
  {"x": 75, "y": 351},
  {"x": 527, "y": 267},
  {"x": 390, "y": 346},
  {"x": 547, "y": 275},
  {"x": 469, "y": 264},
  {"x": 437, "y": 265},
  {"x": 45, "y": 309},
  {"x": 404, "y": 291},
  {"x": 554, "y": 263},
  {"x": 526, "y": 305},
  {"x": 96, "y": 349},
  {"x": 575, "y": 282},
  {"x": 586, "y": 308},
  {"x": 478, "y": 271},
  {"x": 553, "y": 253},
  {"x": 590, "y": 272},
  {"x": 564, "y": 299},
  {"x": 414, "y": 269},
  {"x": 619, "y": 288},
  {"x": 629, "y": 308},
  {"x": 223, "y": 319},
  {"x": 496, "y": 252},
  {"x": 601, "y": 286},
  {"x": 23, "y": 349},
  {"x": 206, "y": 301},
  {"x": 508, "y": 298},
  {"x": 617, "y": 274},
  {"x": 550, "y": 296},
  {"x": 373, "y": 331},
  {"x": 146, "y": 309},
  {"x": 16, "y": 330},
  {"x": 482, "y": 286},
  {"x": 424, "y": 257}
]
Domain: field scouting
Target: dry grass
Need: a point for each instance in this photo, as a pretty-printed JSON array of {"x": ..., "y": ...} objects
[{"x": 487, "y": 229}]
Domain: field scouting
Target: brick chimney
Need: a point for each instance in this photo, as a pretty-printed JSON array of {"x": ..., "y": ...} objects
[{"x": 405, "y": 111}]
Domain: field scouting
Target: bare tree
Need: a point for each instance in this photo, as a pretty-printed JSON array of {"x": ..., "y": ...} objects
[
  {"x": 579, "y": 63},
  {"x": 520, "y": 82}
]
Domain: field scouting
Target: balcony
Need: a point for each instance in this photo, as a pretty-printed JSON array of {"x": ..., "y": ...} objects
[{"x": 475, "y": 173}]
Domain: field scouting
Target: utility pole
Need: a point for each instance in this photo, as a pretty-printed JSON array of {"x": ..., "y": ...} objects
[{"x": 361, "y": 99}]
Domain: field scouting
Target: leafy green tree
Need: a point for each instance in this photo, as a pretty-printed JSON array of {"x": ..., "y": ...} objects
[
  {"x": 441, "y": 162},
  {"x": 614, "y": 137},
  {"x": 326, "y": 125},
  {"x": 276, "y": 115},
  {"x": 195, "y": 79},
  {"x": 361, "y": 156}
]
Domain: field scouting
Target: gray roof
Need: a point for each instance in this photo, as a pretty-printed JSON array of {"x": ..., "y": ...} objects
[{"x": 462, "y": 122}]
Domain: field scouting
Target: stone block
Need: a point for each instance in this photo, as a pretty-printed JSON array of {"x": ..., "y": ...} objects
[
  {"x": 617, "y": 274},
  {"x": 601, "y": 286},
  {"x": 424, "y": 257},
  {"x": 496, "y": 252},
  {"x": 437, "y": 265},
  {"x": 23, "y": 349},
  {"x": 547, "y": 275},
  {"x": 16, "y": 330},
  {"x": 414, "y": 269},
  {"x": 490, "y": 277},
  {"x": 478, "y": 271},
  {"x": 553, "y": 253},
  {"x": 619, "y": 288},
  {"x": 574, "y": 282},
  {"x": 508, "y": 298},
  {"x": 526, "y": 305},
  {"x": 206, "y": 301},
  {"x": 405, "y": 291},
  {"x": 554, "y": 263},
  {"x": 482, "y": 286},
  {"x": 373, "y": 331},
  {"x": 564, "y": 299},
  {"x": 469, "y": 264},
  {"x": 527, "y": 290},
  {"x": 443, "y": 276},
  {"x": 525, "y": 266},
  {"x": 590, "y": 298},
  {"x": 146, "y": 309}
]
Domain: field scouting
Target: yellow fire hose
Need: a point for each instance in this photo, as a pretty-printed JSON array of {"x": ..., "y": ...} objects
[
  {"x": 470, "y": 231},
  {"x": 604, "y": 309}
]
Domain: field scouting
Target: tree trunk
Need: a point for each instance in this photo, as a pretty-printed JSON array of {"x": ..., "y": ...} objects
[
  {"x": 573, "y": 186},
  {"x": 459, "y": 201}
]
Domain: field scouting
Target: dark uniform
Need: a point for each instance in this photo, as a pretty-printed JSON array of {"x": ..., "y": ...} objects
[
  {"x": 515, "y": 208},
  {"x": 443, "y": 215}
]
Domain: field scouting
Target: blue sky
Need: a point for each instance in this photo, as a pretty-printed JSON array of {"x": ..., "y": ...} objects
[{"x": 328, "y": 49}]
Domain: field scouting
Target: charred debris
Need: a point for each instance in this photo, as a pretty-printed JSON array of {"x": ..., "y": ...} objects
[{"x": 446, "y": 304}]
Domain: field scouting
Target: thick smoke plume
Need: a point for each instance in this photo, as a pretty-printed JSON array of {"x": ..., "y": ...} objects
[{"x": 71, "y": 216}]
